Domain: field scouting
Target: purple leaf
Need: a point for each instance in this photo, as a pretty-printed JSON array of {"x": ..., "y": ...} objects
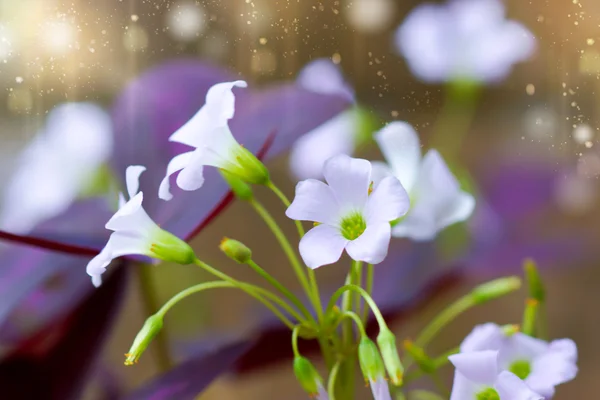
[
  {"x": 57, "y": 370},
  {"x": 191, "y": 377}
]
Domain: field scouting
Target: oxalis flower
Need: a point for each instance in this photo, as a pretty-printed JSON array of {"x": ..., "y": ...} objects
[
  {"x": 541, "y": 365},
  {"x": 45, "y": 183},
  {"x": 478, "y": 377},
  {"x": 136, "y": 233},
  {"x": 463, "y": 40},
  {"x": 436, "y": 198},
  {"x": 208, "y": 132},
  {"x": 348, "y": 216}
]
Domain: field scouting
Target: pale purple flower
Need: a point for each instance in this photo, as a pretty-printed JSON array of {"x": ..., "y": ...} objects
[
  {"x": 57, "y": 166},
  {"x": 478, "y": 376},
  {"x": 336, "y": 136},
  {"x": 208, "y": 132},
  {"x": 136, "y": 233},
  {"x": 463, "y": 40},
  {"x": 436, "y": 198},
  {"x": 540, "y": 364},
  {"x": 348, "y": 216},
  {"x": 380, "y": 389}
]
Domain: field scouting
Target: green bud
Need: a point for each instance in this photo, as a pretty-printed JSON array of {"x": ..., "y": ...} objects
[
  {"x": 249, "y": 168},
  {"x": 307, "y": 375},
  {"x": 240, "y": 189},
  {"x": 537, "y": 290},
  {"x": 371, "y": 363},
  {"x": 151, "y": 327},
  {"x": 495, "y": 289},
  {"x": 235, "y": 250},
  {"x": 510, "y": 330},
  {"x": 425, "y": 363},
  {"x": 387, "y": 345},
  {"x": 168, "y": 247}
]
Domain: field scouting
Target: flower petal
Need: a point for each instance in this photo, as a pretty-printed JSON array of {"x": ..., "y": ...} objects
[
  {"x": 97, "y": 266},
  {"x": 483, "y": 337},
  {"x": 372, "y": 245},
  {"x": 218, "y": 109},
  {"x": 401, "y": 148},
  {"x": 510, "y": 387},
  {"x": 349, "y": 178},
  {"x": 325, "y": 77},
  {"x": 314, "y": 201},
  {"x": 520, "y": 347},
  {"x": 388, "y": 202},
  {"x": 379, "y": 171},
  {"x": 322, "y": 245},
  {"x": 463, "y": 389},
  {"x": 479, "y": 367},
  {"x": 380, "y": 390},
  {"x": 556, "y": 366},
  {"x": 191, "y": 177},
  {"x": 132, "y": 178},
  {"x": 178, "y": 163},
  {"x": 336, "y": 136}
]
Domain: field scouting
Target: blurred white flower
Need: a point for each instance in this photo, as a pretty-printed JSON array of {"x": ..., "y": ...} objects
[
  {"x": 541, "y": 365},
  {"x": 57, "y": 165},
  {"x": 436, "y": 198},
  {"x": 136, "y": 233},
  {"x": 208, "y": 132},
  {"x": 336, "y": 136},
  {"x": 348, "y": 217},
  {"x": 463, "y": 40},
  {"x": 186, "y": 21}
]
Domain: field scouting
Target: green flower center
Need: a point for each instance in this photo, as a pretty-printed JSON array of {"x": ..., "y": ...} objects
[
  {"x": 520, "y": 368},
  {"x": 488, "y": 394},
  {"x": 353, "y": 226}
]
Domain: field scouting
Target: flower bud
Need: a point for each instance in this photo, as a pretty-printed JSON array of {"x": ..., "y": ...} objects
[
  {"x": 151, "y": 327},
  {"x": 235, "y": 250},
  {"x": 387, "y": 346},
  {"x": 371, "y": 363},
  {"x": 168, "y": 247},
  {"x": 495, "y": 289},
  {"x": 536, "y": 286},
  {"x": 307, "y": 375},
  {"x": 240, "y": 189},
  {"x": 249, "y": 168},
  {"x": 425, "y": 363}
]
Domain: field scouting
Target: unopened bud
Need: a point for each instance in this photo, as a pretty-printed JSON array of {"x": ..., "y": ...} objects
[
  {"x": 236, "y": 250},
  {"x": 371, "y": 363},
  {"x": 307, "y": 375},
  {"x": 387, "y": 346},
  {"x": 425, "y": 363},
  {"x": 151, "y": 327},
  {"x": 537, "y": 290},
  {"x": 240, "y": 189},
  {"x": 168, "y": 247},
  {"x": 249, "y": 168},
  {"x": 495, "y": 289}
]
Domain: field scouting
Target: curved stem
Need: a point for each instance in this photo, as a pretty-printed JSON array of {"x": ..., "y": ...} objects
[
  {"x": 257, "y": 293},
  {"x": 332, "y": 377},
  {"x": 291, "y": 255},
  {"x": 353, "y": 316},
  {"x": 442, "y": 319},
  {"x": 191, "y": 290},
  {"x": 150, "y": 301},
  {"x": 368, "y": 299},
  {"x": 295, "y": 332},
  {"x": 282, "y": 289}
]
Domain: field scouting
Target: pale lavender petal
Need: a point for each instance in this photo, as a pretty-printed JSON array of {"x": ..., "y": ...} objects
[
  {"x": 387, "y": 202},
  {"x": 380, "y": 390},
  {"x": 322, "y": 245},
  {"x": 556, "y": 366},
  {"x": 483, "y": 337},
  {"x": 464, "y": 389},
  {"x": 349, "y": 178},
  {"x": 479, "y": 367},
  {"x": 132, "y": 178},
  {"x": 372, "y": 245},
  {"x": 510, "y": 387},
  {"x": 314, "y": 201},
  {"x": 325, "y": 77}
]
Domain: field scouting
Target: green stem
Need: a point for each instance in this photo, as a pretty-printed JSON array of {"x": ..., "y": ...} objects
[
  {"x": 438, "y": 363},
  {"x": 354, "y": 317},
  {"x": 295, "y": 332},
  {"x": 357, "y": 280},
  {"x": 443, "y": 319},
  {"x": 542, "y": 325},
  {"x": 257, "y": 293},
  {"x": 191, "y": 290},
  {"x": 286, "y": 202},
  {"x": 332, "y": 378},
  {"x": 530, "y": 317},
  {"x": 291, "y": 255},
  {"x": 151, "y": 304},
  {"x": 369, "y": 289},
  {"x": 282, "y": 289},
  {"x": 368, "y": 299}
]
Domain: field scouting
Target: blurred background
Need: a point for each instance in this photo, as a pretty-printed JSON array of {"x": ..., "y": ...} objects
[{"x": 54, "y": 51}]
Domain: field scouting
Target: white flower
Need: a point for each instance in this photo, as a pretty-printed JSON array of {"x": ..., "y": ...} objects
[
  {"x": 208, "y": 132},
  {"x": 136, "y": 233},
  {"x": 463, "y": 39},
  {"x": 380, "y": 389},
  {"x": 57, "y": 165},
  {"x": 336, "y": 136},
  {"x": 478, "y": 377},
  {"x": 436, "y": 198},
  {"x": 540, "y": 364},
  {"x": 349, "y": 218}
]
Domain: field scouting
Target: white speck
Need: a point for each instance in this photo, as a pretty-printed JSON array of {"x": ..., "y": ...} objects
[
  {"x": 583, "y": 133},
  {"x": 371, "y": 16},
  {"x": 135, "y": 17},
  {"x": 19, "y": 79},
  {"x": 186, "y": 21}
]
